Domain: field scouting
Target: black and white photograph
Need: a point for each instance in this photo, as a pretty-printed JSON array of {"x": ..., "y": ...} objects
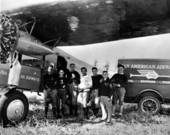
[{"x": 84, "y": 67}]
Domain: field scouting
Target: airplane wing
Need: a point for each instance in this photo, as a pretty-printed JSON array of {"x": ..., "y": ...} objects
[
  {"x": 81, "y": 22},
  {"x": 97, "y": 23},
  {"x": 71, "y": 59}
]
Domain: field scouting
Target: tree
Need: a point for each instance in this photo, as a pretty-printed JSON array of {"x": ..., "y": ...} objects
[{"x": 107, "y": 65}]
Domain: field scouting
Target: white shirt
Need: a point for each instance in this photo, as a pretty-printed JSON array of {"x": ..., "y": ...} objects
[{"x": 85, "y": 83}]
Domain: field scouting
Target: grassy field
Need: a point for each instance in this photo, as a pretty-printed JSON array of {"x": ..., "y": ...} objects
[{"x": 132, "y": 123}]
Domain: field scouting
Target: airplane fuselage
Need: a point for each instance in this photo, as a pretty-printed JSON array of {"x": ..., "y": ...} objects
[{"x": 29, "y": 45}]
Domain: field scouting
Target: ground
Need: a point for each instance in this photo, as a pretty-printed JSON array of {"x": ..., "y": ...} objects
[{"x": 132, "y": 123}]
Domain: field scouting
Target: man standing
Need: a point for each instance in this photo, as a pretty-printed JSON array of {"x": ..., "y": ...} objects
[
  {"x": 50, "y": 92},
  {"x": 74, "y": 81},
  {"x": 61, "y": 92},
  {"x": 119, "y": 81},
  {"x": 94, "y": 91},
  {"x": 84, "y": 88},
  {"x": 105, "y": 94}
]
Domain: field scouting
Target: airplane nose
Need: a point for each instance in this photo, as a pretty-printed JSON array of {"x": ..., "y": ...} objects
[{"x": 9, "y": 37}]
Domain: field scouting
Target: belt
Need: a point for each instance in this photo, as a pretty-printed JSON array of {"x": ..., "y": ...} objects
[
  {"x": 95, "y": 89},
  {"x": 62, "y": 89},
  {"x": 120, "y": 87}
]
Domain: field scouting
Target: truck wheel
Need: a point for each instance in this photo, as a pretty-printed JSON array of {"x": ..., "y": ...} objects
[
  {"x": 149, "y": 105},
  {"x": 13, "y": 107}
]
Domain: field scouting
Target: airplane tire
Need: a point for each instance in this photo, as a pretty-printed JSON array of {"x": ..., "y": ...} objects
[
  {"x": 149, "y": 105},
  {"x": 13, "y": 107}
]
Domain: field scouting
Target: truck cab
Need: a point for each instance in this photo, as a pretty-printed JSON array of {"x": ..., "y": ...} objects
[{"x": 148, "y": 83}]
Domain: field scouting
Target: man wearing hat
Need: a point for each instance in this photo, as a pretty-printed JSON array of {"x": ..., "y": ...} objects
[{"x": 119, "y": 82}]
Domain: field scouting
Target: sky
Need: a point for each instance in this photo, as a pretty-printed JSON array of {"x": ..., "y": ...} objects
[
  {"x": 13, "y": 4},
  {"x": 150, "y": 47}
]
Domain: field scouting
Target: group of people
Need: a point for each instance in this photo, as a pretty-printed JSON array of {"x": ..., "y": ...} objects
[{"x": 94, "y": 92}]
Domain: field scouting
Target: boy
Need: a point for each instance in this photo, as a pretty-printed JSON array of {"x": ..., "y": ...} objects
[
  {"x": 105, "y": 97},
  {"x": 94, "y": 91},
  {"x": 61, "y": 92}
]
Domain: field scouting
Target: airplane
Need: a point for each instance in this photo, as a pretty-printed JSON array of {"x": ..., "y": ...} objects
[
  {"x": 56, "y": 16},
  {"x": 34, "y": 57},
  {"x": 13, "y": 103}
]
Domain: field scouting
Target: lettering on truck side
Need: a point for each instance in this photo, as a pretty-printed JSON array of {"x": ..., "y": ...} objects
[{"x": 139, "y": 69}]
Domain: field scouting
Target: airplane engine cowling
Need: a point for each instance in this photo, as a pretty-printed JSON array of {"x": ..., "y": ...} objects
[{"x": 9, "y": 34}]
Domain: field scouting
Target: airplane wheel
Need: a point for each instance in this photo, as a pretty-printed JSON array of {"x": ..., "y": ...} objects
[{"x": 13, "y": 107}]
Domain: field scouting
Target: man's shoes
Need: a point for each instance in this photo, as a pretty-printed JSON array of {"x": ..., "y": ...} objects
[
  {"x": 59, "y": 116},
  {"x": 103, "y": 119},
  {"x": 113, "y": 115},
  {"x": 86, "y": 117},
  {"x": 93, "y": 117},
  {"x": 45, "y": 116},
  {"x": 109, "y": 122},
  {"x": 120, "y": 115},
  {"x": 62, "y": 116},
  {"x": 89, "y": 104}
]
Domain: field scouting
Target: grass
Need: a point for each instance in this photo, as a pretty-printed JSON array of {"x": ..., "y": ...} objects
[{"x": 132, "y": 123}]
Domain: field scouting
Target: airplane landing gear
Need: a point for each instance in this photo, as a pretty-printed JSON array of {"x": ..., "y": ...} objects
[
  {"x": 13, "y": 106},
  {"x": 13, "y": 103}
]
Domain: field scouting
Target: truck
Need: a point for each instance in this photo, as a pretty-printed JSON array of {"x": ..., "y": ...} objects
[{"x": 148, "y": 83}]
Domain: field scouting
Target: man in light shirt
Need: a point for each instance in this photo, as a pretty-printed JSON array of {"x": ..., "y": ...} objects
[{"x": 84, "y": 90}]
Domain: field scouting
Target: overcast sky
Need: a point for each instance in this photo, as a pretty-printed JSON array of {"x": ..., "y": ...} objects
[
  {"x": 150, "y": 47},
  {"x": 13, "y": 4}
]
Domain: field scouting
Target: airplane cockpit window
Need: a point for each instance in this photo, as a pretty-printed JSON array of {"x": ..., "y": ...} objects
[{"x": 31, "y": 61}]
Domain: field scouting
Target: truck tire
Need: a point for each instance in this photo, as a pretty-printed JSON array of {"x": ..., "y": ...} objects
[
  {"x": 149, "y": 105},
  {"x": 13, "y": 107}
]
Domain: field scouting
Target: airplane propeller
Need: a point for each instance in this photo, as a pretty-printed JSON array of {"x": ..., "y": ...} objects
[{"x": 9, "y": 34}]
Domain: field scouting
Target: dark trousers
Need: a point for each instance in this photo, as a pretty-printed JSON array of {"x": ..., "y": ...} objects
[
  {"x": 94, "y": 101},
  {"x": 50, "y": 96},
  {"x": 73, "y": 93},
  {"x": 61, "y": 100}
]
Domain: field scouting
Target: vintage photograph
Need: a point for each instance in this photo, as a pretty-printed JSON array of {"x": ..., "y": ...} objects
[{"x": 84, "y": 67}]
